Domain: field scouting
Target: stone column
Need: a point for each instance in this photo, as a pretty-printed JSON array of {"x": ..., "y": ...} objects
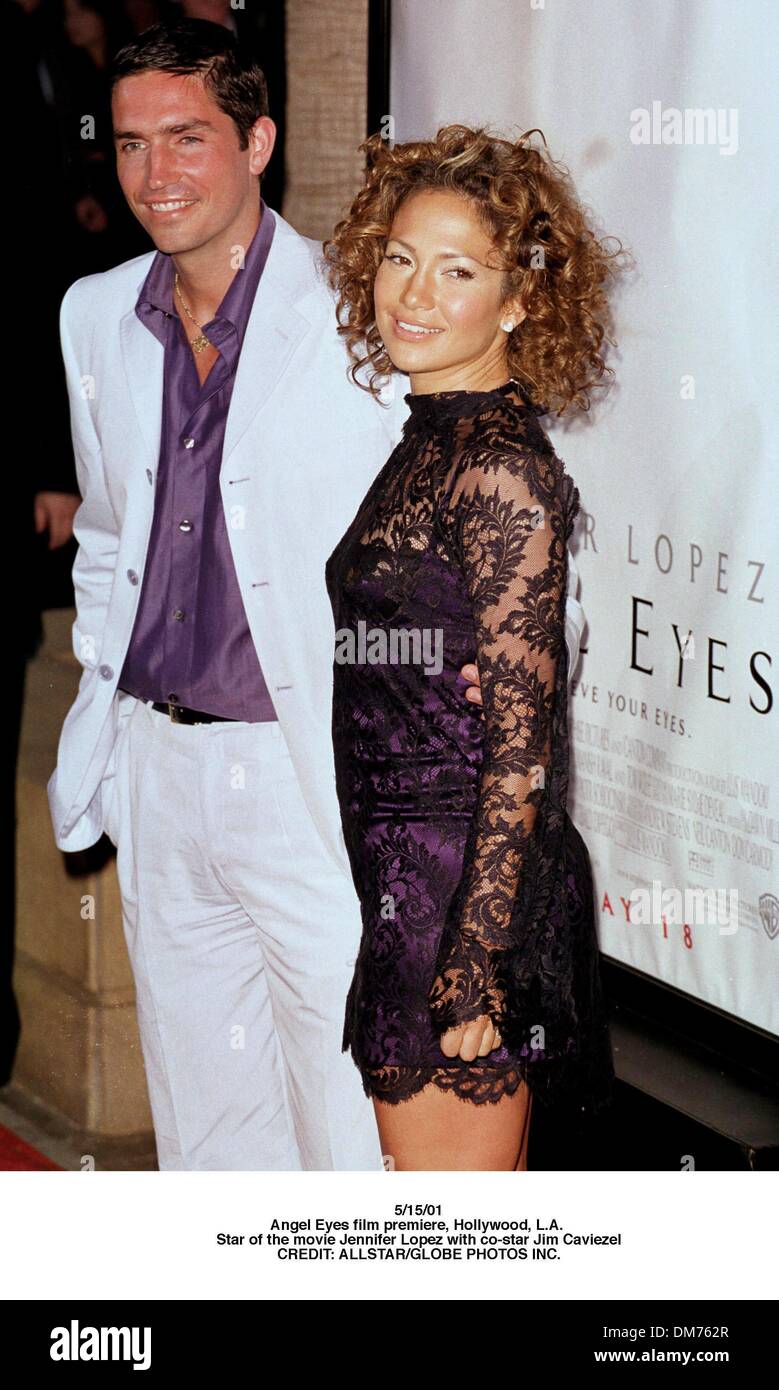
[
  {"x": 327, "y": 93},
  {"x": 79, "y": 1053}
]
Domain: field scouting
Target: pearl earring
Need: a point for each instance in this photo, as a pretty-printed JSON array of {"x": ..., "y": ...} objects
[{"x": 508, "y": 326}]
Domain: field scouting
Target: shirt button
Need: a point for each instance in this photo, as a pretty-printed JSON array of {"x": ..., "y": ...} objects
[
  {"x": 148, "y": 474},
  {"x": 132, "y": 576},
  {"x": 173, "y": 697},
  {"x": 106, "y": 672},
  {"x": 188, "y": 442},
  {"x": 178, "y": 614},
  {"x": 185, "y": 526}
]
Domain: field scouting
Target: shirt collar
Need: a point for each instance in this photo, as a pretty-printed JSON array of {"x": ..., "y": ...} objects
[{"x": 155, "y": 298}]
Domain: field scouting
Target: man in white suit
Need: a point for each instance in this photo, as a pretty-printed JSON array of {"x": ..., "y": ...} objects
[{"x": 221, "y": 452}]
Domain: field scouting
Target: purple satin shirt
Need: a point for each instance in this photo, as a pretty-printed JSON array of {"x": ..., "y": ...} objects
[{"x": 191, "y": 642}]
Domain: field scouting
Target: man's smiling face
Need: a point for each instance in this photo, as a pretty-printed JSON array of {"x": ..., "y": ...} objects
[{"x": 178, "y": 159}]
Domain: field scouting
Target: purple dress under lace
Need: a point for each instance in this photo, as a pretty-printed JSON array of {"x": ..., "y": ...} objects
[{"x": 475, "y": 886}]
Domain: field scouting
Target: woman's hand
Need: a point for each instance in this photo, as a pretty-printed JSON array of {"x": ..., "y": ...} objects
[
  {"x": 471, "y": 1040},
  {"x": 470, "y": 673},
  {"x": 468, "y": 996}
]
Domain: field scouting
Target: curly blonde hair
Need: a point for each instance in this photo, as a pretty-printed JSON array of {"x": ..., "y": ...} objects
[{"x": 549, "y": 253}]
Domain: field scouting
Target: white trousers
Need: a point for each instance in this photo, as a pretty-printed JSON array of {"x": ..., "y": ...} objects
[{"x": 242, "y": 935}]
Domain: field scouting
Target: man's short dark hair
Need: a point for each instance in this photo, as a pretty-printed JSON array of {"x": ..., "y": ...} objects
[{"x": 230, "y": 70}]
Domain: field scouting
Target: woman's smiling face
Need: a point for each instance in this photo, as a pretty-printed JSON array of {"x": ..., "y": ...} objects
[{"x": 438, "y": 295}]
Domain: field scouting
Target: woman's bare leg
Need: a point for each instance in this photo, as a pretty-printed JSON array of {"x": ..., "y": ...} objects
[{"x": 436, "y": 1130}]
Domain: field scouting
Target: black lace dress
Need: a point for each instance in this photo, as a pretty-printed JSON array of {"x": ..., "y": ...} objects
[{"x": 475, "y": 886}]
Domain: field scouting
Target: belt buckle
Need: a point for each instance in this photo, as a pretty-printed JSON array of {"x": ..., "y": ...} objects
[{"x": 172, "y": 711}]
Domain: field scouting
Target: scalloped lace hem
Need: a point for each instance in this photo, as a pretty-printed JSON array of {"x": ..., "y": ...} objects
[{"x": 475, "y": 1084}]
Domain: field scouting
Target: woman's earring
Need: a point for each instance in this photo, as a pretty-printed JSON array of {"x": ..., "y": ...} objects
[{"x": 508, "y": 326}]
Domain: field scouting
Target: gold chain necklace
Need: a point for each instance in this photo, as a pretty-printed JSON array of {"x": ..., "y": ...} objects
[{"x": 201, "y": 342}]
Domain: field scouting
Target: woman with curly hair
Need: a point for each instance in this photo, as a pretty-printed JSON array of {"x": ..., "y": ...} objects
[{"x": 466, "y": 262}]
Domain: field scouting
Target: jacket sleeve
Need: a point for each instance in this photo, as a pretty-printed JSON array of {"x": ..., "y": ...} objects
[{"x": 507, "y": 523}]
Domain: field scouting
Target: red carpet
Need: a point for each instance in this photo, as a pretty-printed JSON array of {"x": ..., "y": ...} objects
[{"x": 19, "y": 1157}]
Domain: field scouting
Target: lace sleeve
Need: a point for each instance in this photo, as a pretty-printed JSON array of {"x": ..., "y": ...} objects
[{"x": 504, "y": 516}]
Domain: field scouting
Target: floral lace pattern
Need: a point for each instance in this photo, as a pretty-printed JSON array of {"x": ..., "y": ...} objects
[{"x": 475, "y": 887}]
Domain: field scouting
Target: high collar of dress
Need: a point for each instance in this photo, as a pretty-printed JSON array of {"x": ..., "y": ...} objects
[{"x": 431, "y": 407}]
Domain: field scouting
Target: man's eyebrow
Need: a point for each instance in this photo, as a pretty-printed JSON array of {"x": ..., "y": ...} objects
[
  {"x": 442, "y": 255},
  {"x": 172, "y": 129}
]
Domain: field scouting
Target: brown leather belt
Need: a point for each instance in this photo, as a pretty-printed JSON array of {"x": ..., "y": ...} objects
[{"x": 181, "y": 714}]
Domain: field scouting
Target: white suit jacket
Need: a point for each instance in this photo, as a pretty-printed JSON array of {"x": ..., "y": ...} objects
[{"x": 302, "y": 445}]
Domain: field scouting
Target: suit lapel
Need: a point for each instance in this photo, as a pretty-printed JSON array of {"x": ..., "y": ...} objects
[
  {"x": 272, "y": 334},
  {"x": 276, "y": 325}
]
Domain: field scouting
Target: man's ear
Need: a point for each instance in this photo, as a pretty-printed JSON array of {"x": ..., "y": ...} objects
[{"x": 262, "y": 138}]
